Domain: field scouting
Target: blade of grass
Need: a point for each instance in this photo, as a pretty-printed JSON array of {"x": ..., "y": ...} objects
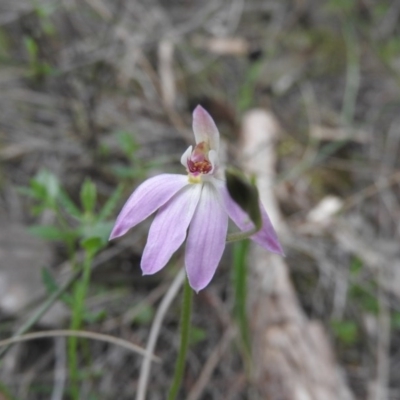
[{"x": 240, "y": 253}]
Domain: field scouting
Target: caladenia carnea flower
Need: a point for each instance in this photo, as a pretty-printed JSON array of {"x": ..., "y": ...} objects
[{"x": 195, "y": 207}]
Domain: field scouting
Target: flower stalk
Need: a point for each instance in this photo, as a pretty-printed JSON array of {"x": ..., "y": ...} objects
[
  {"x": 184, "y": 340},
  {"x": 195, "y": 209},
  {"x": 81, "y": 288},
  {"x": 240, "y": 285}
]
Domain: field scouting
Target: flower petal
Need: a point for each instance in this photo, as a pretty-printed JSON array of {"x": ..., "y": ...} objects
[
  {"x": 206, "y": 239},
  {"x": 266, "y": 237},
  {"x": 204, "y": 128},
  {"x": 146, "y": 199},
  {"x": 213, "y": 158},
  {"x": 185, "y": 156},
  {"x": 168, "y": 230}
]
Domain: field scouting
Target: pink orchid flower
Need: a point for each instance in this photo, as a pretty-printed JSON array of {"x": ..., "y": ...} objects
[{"x": 198, "y": 201}]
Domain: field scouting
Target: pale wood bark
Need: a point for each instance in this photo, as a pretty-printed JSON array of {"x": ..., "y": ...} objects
[{"x": 293, "y": 356}]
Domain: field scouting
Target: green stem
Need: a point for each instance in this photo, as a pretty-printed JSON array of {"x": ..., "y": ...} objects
[
  {"x": 185, "y": 330},
  {"x": 76, "y": 322},
  {"x": 68, "y": 240},
  {"x": 240, "y": 273},
  {"x": 236, "y": 236},
  {"x": 240, "y": 253}
]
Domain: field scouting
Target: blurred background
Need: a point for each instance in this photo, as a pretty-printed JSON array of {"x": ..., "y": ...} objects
[{"x": 97, "y": 95}]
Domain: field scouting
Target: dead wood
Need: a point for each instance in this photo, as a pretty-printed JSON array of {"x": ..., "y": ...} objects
[{"x": 292, "y": 354}]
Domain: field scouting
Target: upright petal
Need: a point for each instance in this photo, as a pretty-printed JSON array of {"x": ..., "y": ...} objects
[
  {"x": 146, "y": 199},
  {"x": 213, "y": 157},
  {"x": 204, "y": 128},
  {"x": 185, "y": 156},
  {"x": 206, "y": 239},
  {"x": 168, "y": 230},
  {"x": 266, "y": 237}
]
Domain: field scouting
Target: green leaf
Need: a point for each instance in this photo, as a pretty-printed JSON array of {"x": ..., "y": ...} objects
[
  {"x": 396, "y": 320},
  {"x": 52, "y": 286},
  {"x": 38, "y": 190},
  {"x": 340, "y": 5},
  {"x": 88, "y": 195},
  {"x": 38, "y": 209},
  {"x": 4, "y": 392},
  {"x": 145, "y": 315},
  {"x": 45, "y": 189},
  {"x": 128, "y": 143},
  {"x": 49, "y": 281},
  {"x": 32, "y": 47},
  {"x": 365, "y": 297},
  {"x": 246, "y": 91},
  {"x": 68, "y": 205},
  {"x": 92, "y": 318},
  {"x": 99, "y": 230},
  {"x": 92, "y": 245},
  {"x": 49, "y": 181},
  {"x": 345, "y": 331},
  {"x": 124, "y": 172},
  {"x": 244, "y": 194},
  {"x": 49, "y": 232},
  {"x": 27, "y": 191},
  {"x": 110, "y": 204},
  {"x": 356, "y": 266},
  {"x": 197, "y": 335}
]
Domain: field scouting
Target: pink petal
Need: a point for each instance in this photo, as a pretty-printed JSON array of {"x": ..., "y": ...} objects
[
  {"x": 168, "y": 230},
  {"x": 204, "y": 128},
  {"x": 266, "y": 237},
  {"x": 185, "y": 156},
  {"x": 206, "y": 239},
  {"x": 213, "y": 158},
  {"x": 146, "y": 199}
]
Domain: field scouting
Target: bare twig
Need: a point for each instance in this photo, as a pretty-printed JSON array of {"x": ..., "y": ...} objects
[
  {"x": 293, "y": 358},
  {"x": 352, "y": 74},
  {"x": 154, "y": 332},
  {"x": 51, "y": 300},
  {"x": 371, "y": 190},
  {"x": 211, "y": 364},
  {"x": 166, "y": 72},
  {"x": 39, "y": 312},
  {"x": 132, "y": 313},
  {"x": 60, "y": 369},
  {"x": 84, "y": 334}
]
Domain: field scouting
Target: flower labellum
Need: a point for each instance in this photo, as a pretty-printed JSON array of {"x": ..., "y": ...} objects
[{"x": 195, "y": 207}]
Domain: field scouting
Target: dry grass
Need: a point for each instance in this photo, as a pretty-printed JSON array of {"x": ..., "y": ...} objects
[{"x": 331, "y": 75}]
